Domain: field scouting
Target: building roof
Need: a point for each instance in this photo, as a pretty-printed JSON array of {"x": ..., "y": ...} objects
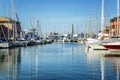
[
  {"x": 5, "y": 19},
  {"x": 114, "y": 19}
]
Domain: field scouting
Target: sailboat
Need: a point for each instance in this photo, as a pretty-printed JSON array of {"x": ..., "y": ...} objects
[
  {"x": 115, "y": 45},
  {"x": 35, "y": 37},
  {"x": 38, "y": 38},
  {"x": 17, "y": 40},
  {"x": 96, "y": 44}
]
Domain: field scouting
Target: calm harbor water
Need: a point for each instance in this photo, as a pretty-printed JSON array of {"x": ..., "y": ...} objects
[{"x": 57, "y": 61}]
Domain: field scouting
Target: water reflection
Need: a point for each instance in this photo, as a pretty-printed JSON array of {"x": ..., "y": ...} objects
[
  {"x": 108, "y": 64},
  {"x": 36, "y": 62},
  {"x": 9, "y": 59},
  {"x": 115, "y": 61},
  {"x": 58, "y": 61}
]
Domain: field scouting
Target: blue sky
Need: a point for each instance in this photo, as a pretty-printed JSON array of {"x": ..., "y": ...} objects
[{"x": 59, "y": 15}]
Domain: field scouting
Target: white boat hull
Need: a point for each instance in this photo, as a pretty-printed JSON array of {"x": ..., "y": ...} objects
[
  {"x": 94, "y": 44},
  {"x": 95, "y": 47},
  {"x": 5, "y": 45}
]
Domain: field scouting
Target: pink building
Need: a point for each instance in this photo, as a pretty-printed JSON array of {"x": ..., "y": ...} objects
[{"x": 113, "y": 26}]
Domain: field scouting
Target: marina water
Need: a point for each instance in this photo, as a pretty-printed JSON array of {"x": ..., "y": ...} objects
[{"x": 57, "y": 61}]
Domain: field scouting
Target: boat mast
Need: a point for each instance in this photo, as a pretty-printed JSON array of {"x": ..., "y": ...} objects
[
  {"x": 37, "y": 24},
  {"x": 117, "y": 18},
  {"x": 102, "y": 18},
  {"x": 13, "y": 25},
  {"x": 32, "y": 28},
  {"x": 16, "y": 20},
  {"x": 8, "y": 22}
]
